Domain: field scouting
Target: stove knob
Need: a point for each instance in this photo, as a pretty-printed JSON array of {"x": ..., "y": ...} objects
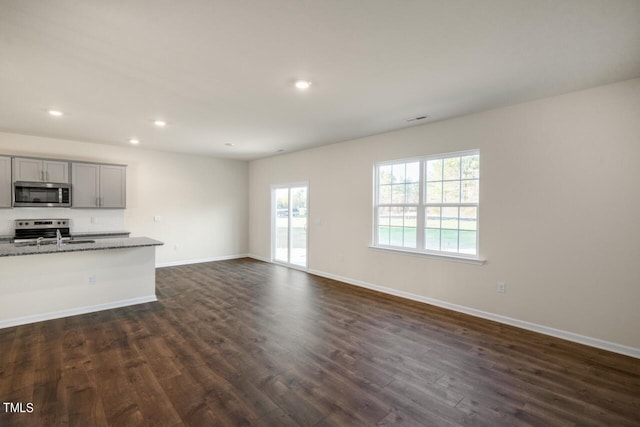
[{"x": 19, "y": 223}]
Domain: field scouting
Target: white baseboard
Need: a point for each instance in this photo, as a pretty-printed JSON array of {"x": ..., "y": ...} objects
[
  {"x": 199, "y": 260},
  {"x": 75, "y": 311},
  {"x": 259, "y": 258},
  {"x": 558, "y": 333}
]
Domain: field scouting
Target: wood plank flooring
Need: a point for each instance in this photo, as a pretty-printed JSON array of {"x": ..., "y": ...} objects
[{"x": 242, "y": 342}]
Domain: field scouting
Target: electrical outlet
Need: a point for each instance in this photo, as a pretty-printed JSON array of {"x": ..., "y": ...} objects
[
  {"x": 501, "y": 288},
  {"x": 92, "y": 279},
  {"x": 157, "y": 218},
  {"x": 175, "y": 247},
  {"x": 94, "y": 220}
]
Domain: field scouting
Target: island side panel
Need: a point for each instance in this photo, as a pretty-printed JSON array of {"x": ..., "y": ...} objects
[{"x": 48, "y": 286}]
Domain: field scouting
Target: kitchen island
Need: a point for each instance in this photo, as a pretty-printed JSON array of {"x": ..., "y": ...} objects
[{"x": 47, "y": 282}]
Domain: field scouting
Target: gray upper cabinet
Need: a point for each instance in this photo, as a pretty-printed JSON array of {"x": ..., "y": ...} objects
[
  {"x": 98, "y": 185},
  {"x": 113, "y": 183},
  {"x": 5, "y": 182},
  {"x": 84, "y": 185},
  {"x": 56, "y": 171},
  {"x": 40, "y": 170}
]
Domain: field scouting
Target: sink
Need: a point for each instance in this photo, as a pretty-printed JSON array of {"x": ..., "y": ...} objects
[
  {"x": 53, "y": 242},
  {"x": 42, "y": 243}
]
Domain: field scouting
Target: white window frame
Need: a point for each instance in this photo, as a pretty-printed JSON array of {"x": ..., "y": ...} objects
[{"x": 421, "y": 211}]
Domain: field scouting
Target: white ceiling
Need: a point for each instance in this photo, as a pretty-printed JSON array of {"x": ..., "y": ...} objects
[{"x": 221, "y": 71}]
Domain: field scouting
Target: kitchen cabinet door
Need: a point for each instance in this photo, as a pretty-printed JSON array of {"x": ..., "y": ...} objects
[
  {"x": 113, "y": 186},
  {"x": 27, "y": 170},
  {"x": 5, "y": 182},
  {"x": 85, "y": 185},
  {"x": 38, "y": 170},
  {"x": 55, "y": 171}
]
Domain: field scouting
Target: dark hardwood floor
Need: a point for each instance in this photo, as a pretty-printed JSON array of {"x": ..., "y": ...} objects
[{"x": 249, "y": 343}]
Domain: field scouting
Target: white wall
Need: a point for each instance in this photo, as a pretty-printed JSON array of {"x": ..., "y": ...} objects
[
  {"x": 559, "y": 215},
  {"x": 202, "y": 201}
]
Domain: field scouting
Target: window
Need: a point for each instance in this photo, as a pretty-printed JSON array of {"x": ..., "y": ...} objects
[{"x": 429, "y": 204}]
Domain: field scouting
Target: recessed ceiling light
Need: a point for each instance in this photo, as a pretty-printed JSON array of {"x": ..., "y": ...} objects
[
  {"x": 134, "y": 141},
  {"x": 229, "y": 144},
  {"x": 280, "y": 151},
  {"x": 302, "y": 84},
  {"x": 55, "y": 113},
  {"x": 160, "y": 123}
]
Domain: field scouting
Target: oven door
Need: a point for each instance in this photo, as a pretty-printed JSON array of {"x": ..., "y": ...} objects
[{"x": 40, "y": 194}]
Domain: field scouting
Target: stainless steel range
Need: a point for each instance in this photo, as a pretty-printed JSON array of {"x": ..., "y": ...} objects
[{"x": 32, "y": 229}]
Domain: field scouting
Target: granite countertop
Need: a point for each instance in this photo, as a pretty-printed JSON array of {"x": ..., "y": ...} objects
[
  {"x": 9, "y": 249},
  {"x": 5, "y": 238}
]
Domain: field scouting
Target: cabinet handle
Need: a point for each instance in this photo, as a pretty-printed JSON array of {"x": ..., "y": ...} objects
[
  {"x": 97, "y": 201},
  {"x": 47, "y": 175},
  {"x": 41, "y": 175}
]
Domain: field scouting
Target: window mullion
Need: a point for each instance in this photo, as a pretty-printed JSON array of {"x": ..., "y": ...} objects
[
  {"x": 376, "y": 205},
  {"x": 420, "y": 214}
]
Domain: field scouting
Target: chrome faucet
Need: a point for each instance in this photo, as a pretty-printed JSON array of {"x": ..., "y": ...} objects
[
  {"x": 58, "y": 238},
  {"x": 38, "y": 240}
]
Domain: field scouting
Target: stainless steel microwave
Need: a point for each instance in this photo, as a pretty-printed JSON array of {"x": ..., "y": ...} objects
[{"x": 41, "y": 194}]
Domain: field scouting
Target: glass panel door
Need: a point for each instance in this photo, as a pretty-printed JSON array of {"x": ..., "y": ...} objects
[
  {"x": 281, "y": 235},
  {"x": 298, "y": 219},
  {"x": 290, "y": 220}
]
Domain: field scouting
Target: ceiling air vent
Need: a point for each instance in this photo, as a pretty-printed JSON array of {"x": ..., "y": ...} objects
[{"x": 415, "y": 119}]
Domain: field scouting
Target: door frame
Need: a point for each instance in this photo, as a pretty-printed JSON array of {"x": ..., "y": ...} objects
[{"x": 289, "y": 186}]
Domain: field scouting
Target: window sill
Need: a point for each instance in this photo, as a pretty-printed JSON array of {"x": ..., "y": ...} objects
[{"x": 452, "y": 257}]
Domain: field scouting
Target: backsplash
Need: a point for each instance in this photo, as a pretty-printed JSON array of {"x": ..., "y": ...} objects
[{"x": 82, "y": 220}]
